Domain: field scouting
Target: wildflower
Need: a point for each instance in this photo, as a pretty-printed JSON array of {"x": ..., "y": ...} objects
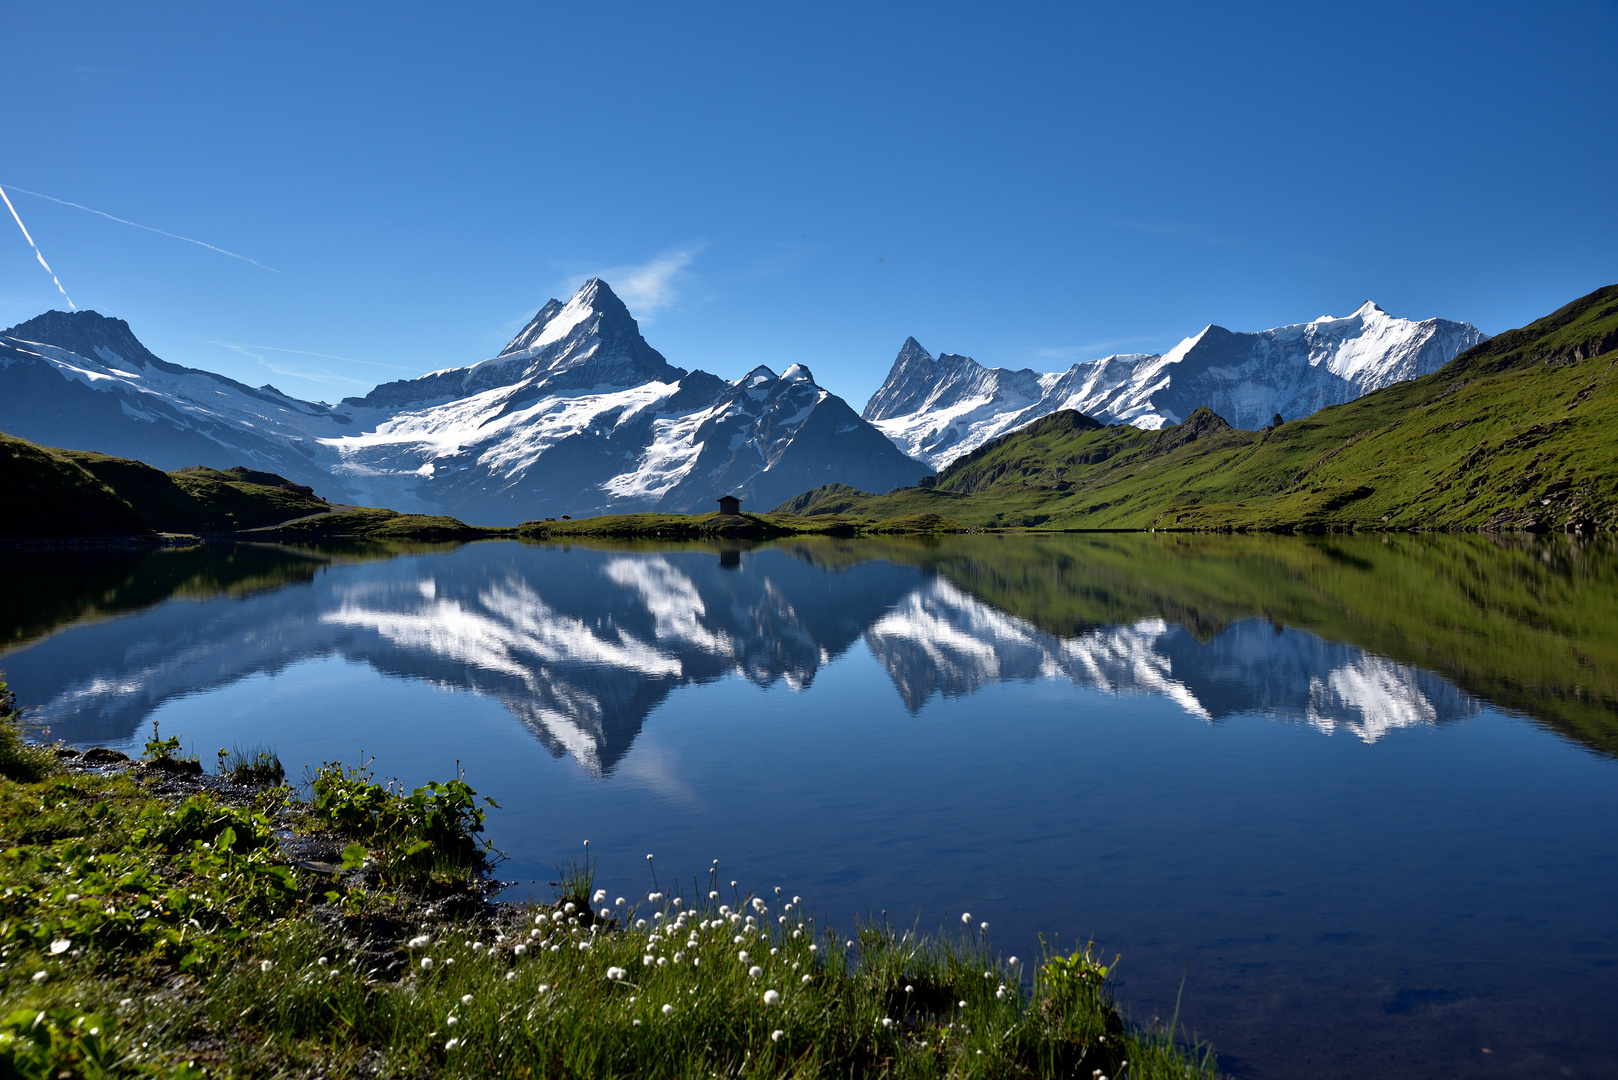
[
  {"x": 124, "y": 1003},
  {"x": 678, "y": 957},
  {"x": 569, "y": 907},
  {"x": 963, "y": 1004},
  {"x": 1000, "y": 993},
  {"x": 1013, "y": 961},
  {"x": 60, "y": 946},
  {"x": 545, "y": 988},
  {"x": 452, "y": 1020},
  {"x": 511, "y": 976},
  {"x": 910, "y": 989},
  {"x": 600, "y": 895},
  {"x": 771, "y": 997},
  {"x": 668, "y": 1010},
  {"x": 805, "y": 980},
  {"x": 634, "y": 1023},
  {"x": 797, "y": 899},
  {"x": 738, "y": 939},
  {"x": 518, "y": 949},
  {"x": 452, "y": 1044},
  {"x": 606, "y": 912},
  {"x": 41, "y": 976},
  {"x": 887, "y": 1021},
  {"x": 266, "y": 965},
  {"x": 754, "y": 972},
  {"x": 640, "y": 924},
  {"x": 776, "y": 1035},
  {"x": 797, "y": 933},
  {"x": 713, "y": 894},
  {"x": 616, "y": 973},
  {"x": 677, "y": 901},
  {"x": 540, "y": 919},
  {"x": 426, "y": 963},
  {"x": 322, "y": 961},
  {"x": 983, "y": 926},
  {"x": 534, "y": 933},
  {"x": 466, "y": 999},
  {"x": 849, "y": 944},
  {"x": 816, "y": 948},
  {"x": 620, "y": 902},
  {"x": 775, "y": 952},
  {"x": 477, "y": 946},
  {"x": 966, "y": 917},
  {"x": 742, "y": 956},
  {"x": 662, "y": 961}
]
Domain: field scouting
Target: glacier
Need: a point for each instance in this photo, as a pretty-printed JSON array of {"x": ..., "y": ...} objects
[
  {"x": 940, "y": 408},
  {"x": 577, "y": 415}
]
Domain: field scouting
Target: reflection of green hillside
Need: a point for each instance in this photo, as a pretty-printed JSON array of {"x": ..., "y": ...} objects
[
  {"x": 67, "y": 587},
  {"x": 1526, "y": 624}
]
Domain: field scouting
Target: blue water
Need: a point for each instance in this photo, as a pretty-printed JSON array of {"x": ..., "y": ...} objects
[{"x": 1353, "y": 866}]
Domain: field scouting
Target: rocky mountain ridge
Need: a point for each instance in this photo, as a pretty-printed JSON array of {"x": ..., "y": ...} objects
[{"x": 938, "y": 409}]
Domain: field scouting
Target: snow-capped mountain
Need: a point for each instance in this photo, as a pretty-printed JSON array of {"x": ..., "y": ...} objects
[
  {"x": 582, "y": 646},
  {"x": 577, "y": 415},
  {"x": 939, "y": 409}
]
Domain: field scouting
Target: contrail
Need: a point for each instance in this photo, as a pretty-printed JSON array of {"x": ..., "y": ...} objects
[
  {"x": 138, "y": 225},
  {"x": 35, "y": 246}
]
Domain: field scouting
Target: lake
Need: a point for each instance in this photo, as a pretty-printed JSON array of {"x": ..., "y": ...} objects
[{"x": 1347, "y": 803}]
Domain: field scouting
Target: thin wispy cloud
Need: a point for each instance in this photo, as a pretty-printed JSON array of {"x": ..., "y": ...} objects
[
  {"x": 1096, "y": 350},
  {"x": 251, "y": 350},
  {"x": 138, "y": 225},
  {"x": 652, "y": 286}
]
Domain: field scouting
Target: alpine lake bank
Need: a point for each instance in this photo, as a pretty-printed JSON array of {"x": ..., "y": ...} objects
[{"x": 159, "y": 921}]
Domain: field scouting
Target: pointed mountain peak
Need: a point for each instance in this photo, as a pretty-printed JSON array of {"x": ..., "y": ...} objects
[
  {"x": 798, "y": 373},
  {"x": 83, "y": 332},
  {"x": 758, "y": 375},
  {"x": 911, "y": 351},
  {"x": 556, "y": 320},
  {"x": 1368, "y": 310}
]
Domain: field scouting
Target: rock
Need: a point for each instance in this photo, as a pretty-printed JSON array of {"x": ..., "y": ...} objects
[{"x": 100, "y": 755}]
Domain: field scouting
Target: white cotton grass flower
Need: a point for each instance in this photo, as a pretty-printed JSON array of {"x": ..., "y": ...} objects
[
  {"x": 600, "y": 895},
  {"x": 452, "y": 1044},
  {"x": 545, "y": 988},
  {"x": 426, "y": 963},
  {"x": 40, "y": 976},
  {"x": 60, "y": 946},
  {"x": 668, "y": 1010},
  {"x": 771, "y": 997},
  {"x": 322, "y": 961},
  {"x": 807, "y": 979},
  {"x": 511, "y": 976},
  {"x": 887, "y": 1021},
  {"x": 713, "y": 894},
  {"x": 266, "y": 965},
  {"x": 984, "y": 927},
  {"x": 966, "y": 917},
  {"x": 466, "y": 999},
  {"x": 777, "y": 1035},
  {"x": 742, "y": 956},
  {"x": 616, "y": 974},
  {"x": 910, "y": 989},
  {"x": 754, "y": 972},
  {"x": 418, "y": 941},
  {"x": 519, "y": 949}
]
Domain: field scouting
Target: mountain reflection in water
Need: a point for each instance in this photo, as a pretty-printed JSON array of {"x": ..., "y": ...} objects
[{"x": 581, "y": 645}]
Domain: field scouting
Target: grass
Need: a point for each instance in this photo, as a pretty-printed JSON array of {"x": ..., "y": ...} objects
[
  {"x": 150, "y": 928},
  {"x": 369, "y": 523},
  {"x": 1515, "y": 434},
  {"x": 778, "y": 525}
]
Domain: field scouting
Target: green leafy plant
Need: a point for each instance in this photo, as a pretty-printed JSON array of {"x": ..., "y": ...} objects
[
  {"x": 259, "y": 767},
  {"x": 19, "y": 759},
  {"x": 427, "y": 835},
  {"x": 160, "y": 749}
]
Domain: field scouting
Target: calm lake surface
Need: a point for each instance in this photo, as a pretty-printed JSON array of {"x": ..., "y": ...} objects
[{"x": 1358, "y": 795}]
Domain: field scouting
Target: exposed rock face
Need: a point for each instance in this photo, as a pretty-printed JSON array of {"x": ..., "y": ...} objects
[
  {"x": 577, "y": 415},
  {"x": 939, "y": 409}
]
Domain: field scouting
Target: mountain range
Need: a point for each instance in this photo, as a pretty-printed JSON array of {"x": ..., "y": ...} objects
[
  {"x": 939, "y": 408},
  {"x": 577, "y": 415},
  {"x": 1517, "y": 433}
]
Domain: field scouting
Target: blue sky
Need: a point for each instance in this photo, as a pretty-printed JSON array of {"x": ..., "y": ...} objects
[{"x": 774, "y": 183}]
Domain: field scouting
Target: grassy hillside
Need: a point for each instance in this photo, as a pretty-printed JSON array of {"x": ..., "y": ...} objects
[
  {"x": 52, "y": 494},
  {"x": 1520, "y": 432}
]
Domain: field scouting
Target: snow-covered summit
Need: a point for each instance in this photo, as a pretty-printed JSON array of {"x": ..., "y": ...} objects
[
  {"x": 939, "y": 409},
  {"x": 576, "y": 415}
]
